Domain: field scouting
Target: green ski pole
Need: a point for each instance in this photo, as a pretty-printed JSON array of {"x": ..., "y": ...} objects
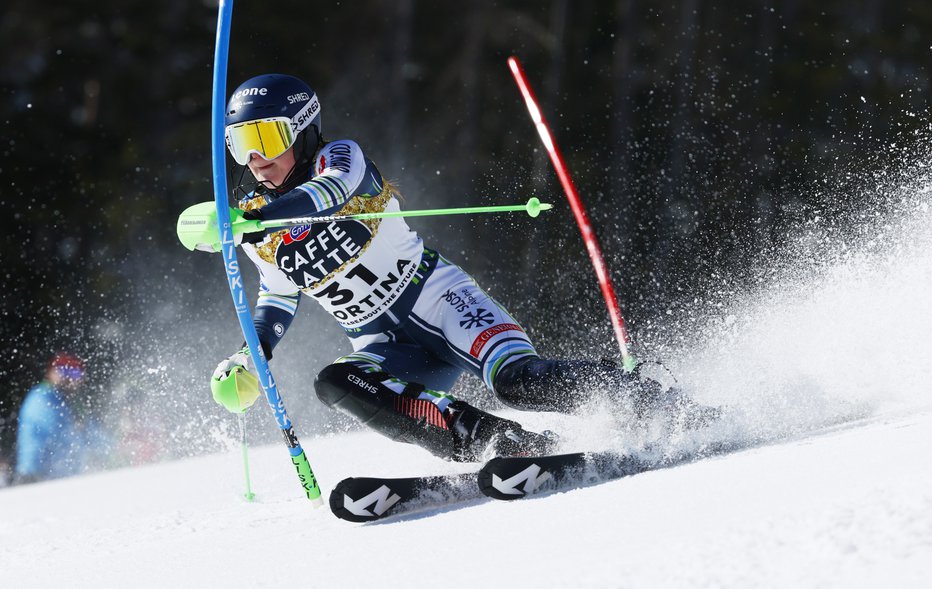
[
  {"x": 242, "y": 430},
  {"x": 533, "y": 207},
  {"x": 197, "y": 225}
]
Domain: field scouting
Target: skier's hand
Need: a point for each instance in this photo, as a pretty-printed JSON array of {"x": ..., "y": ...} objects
[
  {"x": 197, "y": 227},
  {"x": 252, "y": 236},
  {"x": 240, "y": 358},
  {"x": 232, "y": 385}
]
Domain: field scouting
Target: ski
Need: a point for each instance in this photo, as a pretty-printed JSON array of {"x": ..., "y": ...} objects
[
  {"x": 509, "y": 478},
  {"x": 366, "y": 499}
]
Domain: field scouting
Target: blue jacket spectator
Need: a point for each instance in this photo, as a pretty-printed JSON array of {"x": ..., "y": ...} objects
[{"x": 50, "y": 443}]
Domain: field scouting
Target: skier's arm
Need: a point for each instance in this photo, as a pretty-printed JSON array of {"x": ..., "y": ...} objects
[
  {"x": 274, "y": 314},
  {"x": 232, "y": 385},
  {"x": 343, "y": 171}
]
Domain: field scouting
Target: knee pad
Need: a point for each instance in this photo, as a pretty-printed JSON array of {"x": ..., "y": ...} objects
[
  {"x": 330, "y": 385},
  {"x": 360, "y": 394},
  {"x": 352, "y": 389}
]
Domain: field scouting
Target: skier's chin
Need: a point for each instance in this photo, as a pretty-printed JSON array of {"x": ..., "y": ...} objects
[{"x": 270, "y": 182}]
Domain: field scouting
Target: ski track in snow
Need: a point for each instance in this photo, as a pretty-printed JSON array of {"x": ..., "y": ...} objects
[
  {"x": 837, "y": 509},
  {"x": 818, "y": 505}
]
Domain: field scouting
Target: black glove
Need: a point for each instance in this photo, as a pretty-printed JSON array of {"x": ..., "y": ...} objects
[
  {"x": 255, "y": 236},
  {"x": 266, "y": 349}
]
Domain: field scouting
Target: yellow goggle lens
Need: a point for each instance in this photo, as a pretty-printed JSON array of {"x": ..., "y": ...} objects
[{"x": 268, "y": 137}]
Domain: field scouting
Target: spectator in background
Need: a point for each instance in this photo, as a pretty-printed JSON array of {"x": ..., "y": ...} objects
[{"x": 51, "y": 440}]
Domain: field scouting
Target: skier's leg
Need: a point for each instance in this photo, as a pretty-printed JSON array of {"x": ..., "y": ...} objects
[
  {"x": 460, "y": 323},
  {"x": 533, "y": 383},
  {"x": 464, "y": 325},
  {"x": 410, "y": 412},
  {"x": 565, "y": 385}
]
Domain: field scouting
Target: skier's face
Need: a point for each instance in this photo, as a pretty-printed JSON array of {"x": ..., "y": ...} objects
[{"x": 271, "y": 172}]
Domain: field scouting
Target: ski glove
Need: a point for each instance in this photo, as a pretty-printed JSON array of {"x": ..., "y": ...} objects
[
  {"x": 255, "y": 236},
  {"x": 232, "y": 385},
  {"x": 240, "y": 358},
  {"x": 197, "y": 227}
]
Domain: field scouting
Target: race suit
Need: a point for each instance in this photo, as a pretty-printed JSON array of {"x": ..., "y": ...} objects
[{"x": 408, "y": 311}]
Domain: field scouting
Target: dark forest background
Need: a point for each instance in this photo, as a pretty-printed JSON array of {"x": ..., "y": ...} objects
[{"x": 699, "y": 132}]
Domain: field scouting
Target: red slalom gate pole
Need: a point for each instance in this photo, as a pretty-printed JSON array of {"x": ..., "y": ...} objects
[{"x": 579, "y": 211}]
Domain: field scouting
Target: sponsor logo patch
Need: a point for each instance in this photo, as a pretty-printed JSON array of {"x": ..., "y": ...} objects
[
  {"x": 484, "y": 337},
  {"x": 309, "y": 253},
  {"x": 250, "y": 92},
  {"x": 296, "y": 234},
  {"x": 477, "y": 318},
  {"x": 306, "y": 115},
  {"x": 299, "y": 97},
  {"x": 371, "y": 388}
]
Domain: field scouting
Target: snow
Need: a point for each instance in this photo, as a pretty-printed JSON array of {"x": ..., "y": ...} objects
[
  {"x": 827, "y": 364},
  {"x": 847, "y": 507}
]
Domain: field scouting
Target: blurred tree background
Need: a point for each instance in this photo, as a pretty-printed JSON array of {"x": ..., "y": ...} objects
[{"x": 699, "y": 132}]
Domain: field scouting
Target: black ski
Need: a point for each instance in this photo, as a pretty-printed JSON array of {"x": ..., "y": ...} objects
[
  {"x": 511, "y": 478},
  {"x": 368, "y": 499},
  {"x": 365, "y": 499}
]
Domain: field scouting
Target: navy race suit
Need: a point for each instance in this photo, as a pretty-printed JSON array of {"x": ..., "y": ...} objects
[{"x": 408, "y": 312}]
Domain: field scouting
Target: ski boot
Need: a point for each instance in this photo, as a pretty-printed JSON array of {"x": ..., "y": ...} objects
[
  {"x": 566, "y": 386},
  {"x": 650, "y": 398},
  {"x": 480, "y": 436}
]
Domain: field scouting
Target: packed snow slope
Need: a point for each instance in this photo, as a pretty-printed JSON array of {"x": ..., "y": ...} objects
[
  {"x": 847, "y": 507},
  {"x": 824, "y": 369}
]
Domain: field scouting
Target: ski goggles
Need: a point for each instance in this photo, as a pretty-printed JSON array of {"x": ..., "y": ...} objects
[{"x": 267, "y": 137}]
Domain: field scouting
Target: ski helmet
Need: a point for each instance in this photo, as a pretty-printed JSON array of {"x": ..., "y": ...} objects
[{"x": 266, "y": 115}]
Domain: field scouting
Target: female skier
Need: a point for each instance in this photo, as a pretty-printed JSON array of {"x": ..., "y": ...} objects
[{"x": 416, "y": 321}]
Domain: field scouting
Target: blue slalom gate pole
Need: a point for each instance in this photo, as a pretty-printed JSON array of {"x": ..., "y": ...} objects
[{"x": 228, "y": 249}]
